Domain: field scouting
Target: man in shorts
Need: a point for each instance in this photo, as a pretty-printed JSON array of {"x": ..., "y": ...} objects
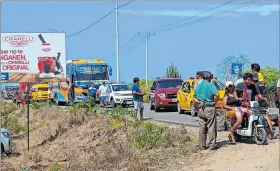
[
  {"x": 137, "y": 98},
  {"x": 252, "y": 93},
  {"x": 103, "y": 89}
]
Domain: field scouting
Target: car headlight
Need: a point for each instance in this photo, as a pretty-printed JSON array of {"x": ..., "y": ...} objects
[
  {"x": 162, "y": 95},
  {"x": 6, "y": 134},
  {"x": 118, "y": 94}
]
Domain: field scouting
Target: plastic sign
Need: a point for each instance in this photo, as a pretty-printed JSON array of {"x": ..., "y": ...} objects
[
  {"x": 33, "y": 54},
  {"x": 236, "y": 68}
]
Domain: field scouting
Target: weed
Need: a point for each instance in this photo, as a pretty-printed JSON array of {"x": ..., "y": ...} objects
[{"x": 55, "y": 167}]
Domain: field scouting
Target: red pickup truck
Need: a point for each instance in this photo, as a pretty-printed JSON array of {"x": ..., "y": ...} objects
[{"x": 163, "y": 93}]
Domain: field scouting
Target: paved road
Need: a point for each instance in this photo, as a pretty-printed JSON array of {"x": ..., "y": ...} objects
[{"x": 171, "y": 116}]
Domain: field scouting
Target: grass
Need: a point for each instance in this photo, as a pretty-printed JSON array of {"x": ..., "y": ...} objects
[{"x": 79, "y": 138}]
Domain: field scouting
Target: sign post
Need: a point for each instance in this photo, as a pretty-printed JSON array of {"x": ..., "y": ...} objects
[{"x": 236, "y": 68}]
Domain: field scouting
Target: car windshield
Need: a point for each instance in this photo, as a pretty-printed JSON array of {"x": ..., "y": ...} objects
[
  {"x": 219, "y": 85},
  {"x": 121, "y": 88},
  {"x": 43, "y": 89},
  {"x": 170, "y": 83}
]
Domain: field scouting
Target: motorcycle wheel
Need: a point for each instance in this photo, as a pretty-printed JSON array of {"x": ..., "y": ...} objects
[{"x": 260, "y": 136}]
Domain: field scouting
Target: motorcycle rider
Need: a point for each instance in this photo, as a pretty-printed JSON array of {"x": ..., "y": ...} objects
[{"x": 252, "y": 93}]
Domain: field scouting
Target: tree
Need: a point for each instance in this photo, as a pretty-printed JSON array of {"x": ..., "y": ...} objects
[
  {"x": 224, "y": 67},
  {"x": 172, "y": 72}
]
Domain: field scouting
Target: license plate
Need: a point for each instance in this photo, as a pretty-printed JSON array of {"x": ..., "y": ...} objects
[
  {"x": 129, "y": 102},
  {"x": 174, "y": 100}
]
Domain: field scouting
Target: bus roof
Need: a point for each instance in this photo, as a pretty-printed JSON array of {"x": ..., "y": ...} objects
[{"x": 85, "y": 61}]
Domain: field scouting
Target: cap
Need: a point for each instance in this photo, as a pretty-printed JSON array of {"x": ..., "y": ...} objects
[{"x": 228, "y": 83}]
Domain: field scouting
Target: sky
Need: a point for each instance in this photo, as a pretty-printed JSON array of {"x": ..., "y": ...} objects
[{"x": 190, "y": 45}]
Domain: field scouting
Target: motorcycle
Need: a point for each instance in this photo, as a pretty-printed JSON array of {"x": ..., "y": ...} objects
[{"x": 252, "y": 126}]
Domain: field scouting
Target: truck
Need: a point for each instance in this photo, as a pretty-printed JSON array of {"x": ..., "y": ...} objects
[{"x": 80, "y": 75}]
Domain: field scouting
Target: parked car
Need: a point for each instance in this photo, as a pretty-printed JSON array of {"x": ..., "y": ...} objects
[
  {"x": 163, "y": 93},
  {"x": 185, "y": 96},
  {"x": 6, "y": 141},
  {"x": 120, "y": 94}
]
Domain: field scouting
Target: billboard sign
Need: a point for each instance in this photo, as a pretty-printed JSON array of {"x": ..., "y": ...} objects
[
  {"x": 40, "y": 55},
  {"x": 4, "y": 76}
]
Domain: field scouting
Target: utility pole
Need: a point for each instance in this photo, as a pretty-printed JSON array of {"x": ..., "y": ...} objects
[
  {"x": 117, "y": 42},
  {"x": 147, "y": 37}
]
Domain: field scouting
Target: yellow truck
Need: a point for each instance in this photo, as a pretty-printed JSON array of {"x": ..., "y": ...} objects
[{"x": 39, "y": 92}]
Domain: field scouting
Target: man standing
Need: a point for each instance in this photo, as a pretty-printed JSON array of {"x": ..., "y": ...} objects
[
  {"x": 207, "y": 96},
  {"x": 239, "y": 79},
  {"x": 198, "y": 79},
  {"x": 103, "y": 89},
  {"x": 92, "y": 91},
  {"x": 137, "y": 98}
]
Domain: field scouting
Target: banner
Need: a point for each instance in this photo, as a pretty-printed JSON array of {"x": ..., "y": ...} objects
[{"x": 33, "y": 56}]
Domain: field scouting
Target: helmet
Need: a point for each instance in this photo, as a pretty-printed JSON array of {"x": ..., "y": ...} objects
[{"x": 228, "y": 83}]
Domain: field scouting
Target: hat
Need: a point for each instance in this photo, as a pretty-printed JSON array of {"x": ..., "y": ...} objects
[{"x": 228, "y": 83}]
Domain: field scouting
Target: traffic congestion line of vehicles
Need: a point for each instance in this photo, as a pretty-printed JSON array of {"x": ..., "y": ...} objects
[{"x": 179, "y": 94}]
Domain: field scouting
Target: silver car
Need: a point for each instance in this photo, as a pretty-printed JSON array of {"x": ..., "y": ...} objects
[{"x": 6, "y": 141}]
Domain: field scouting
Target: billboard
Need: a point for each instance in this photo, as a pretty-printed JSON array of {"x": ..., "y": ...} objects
[{"x": 29, "y": 57}]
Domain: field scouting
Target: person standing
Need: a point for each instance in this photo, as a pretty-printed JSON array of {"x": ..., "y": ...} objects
[
  {"x": 92, "y": 91},
  {"x": 207, "y": 96},
  {"x": 239, "y": 79},
  {"x": 198, "y": 79},
  {"x": 103, "y": 89},
  {"x": 137, "y": 98}
]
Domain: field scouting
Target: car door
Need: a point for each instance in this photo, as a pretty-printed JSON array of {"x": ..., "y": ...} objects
[
  {"x": 152, "y": 92},
  {"x": 189, "y": 95},
  {"x": 184, "y": 95}
]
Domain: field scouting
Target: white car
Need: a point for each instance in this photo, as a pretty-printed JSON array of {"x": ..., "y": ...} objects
[
  {"x": 6, "y": 141},
  {"x": 120, "y": 94}
]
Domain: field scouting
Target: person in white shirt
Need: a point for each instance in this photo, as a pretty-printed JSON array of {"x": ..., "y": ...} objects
[
  {"x": 239, "y": 79},
  {"x": 103, "y": 90}
]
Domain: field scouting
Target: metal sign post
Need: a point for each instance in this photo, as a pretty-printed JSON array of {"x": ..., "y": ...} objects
[
  {"x": 28, "y": 99},
  {"x": 236, "y": 68}
]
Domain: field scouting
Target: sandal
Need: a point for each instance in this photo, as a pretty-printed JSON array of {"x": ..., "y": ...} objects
[{"x": 231, "y": 140}]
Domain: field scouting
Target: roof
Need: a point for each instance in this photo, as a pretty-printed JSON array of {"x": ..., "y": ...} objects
[
  {"x": 32, "y": 78},
  {"x": 168, "y": 78}
]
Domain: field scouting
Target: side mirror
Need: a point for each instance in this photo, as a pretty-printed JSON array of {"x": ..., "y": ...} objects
[
  {"x": 110, "y": 70},
  {"x": 152, "y": 88}
]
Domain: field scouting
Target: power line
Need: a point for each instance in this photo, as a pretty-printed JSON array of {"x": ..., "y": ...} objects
[
  {"x": 130, "y": 40},
  {"x": 137, "y": 44},
  {"x": 160, "y": 27},
  {"x": 212, "y": 16},
  {"x": 89, "y": 26}
]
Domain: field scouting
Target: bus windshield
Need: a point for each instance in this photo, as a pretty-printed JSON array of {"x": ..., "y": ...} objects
[{"x": 92, "y": 72}]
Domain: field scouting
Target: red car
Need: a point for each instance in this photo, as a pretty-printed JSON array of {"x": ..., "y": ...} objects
[{"x": 163, "y": 93}]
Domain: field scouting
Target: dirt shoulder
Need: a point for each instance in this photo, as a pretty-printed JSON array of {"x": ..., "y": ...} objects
[{"x": 242, "y": 156}]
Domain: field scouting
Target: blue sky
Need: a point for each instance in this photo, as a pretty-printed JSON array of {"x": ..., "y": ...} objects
[{"x": 252, "y": 30}]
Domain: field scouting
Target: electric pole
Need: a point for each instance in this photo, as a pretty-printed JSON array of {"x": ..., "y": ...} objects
[
  {"x": 147, "y": 37},
  {"x": 117, "y": 42}
]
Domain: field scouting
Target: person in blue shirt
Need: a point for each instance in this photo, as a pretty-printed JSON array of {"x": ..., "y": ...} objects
[
  {"x": 137, "y": 98},
  {"x": 207, "y": 96},
  {"x": 92, "y": 91}
]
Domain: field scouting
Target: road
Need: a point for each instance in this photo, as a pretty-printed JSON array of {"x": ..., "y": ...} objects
[{"x": 170, "y": 116}]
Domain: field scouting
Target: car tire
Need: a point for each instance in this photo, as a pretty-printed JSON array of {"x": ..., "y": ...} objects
[
  {"x": 157, "y": 109},
  {"x": 2, "y": 149},
  {"x": 152, "y": 107},
  {"x": 193, "y": 112},
  {"x": 180, "y": 111},
  {"x": 112, "y": 101}
]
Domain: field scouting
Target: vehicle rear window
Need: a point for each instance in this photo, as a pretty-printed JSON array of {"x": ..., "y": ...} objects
[{"x": 170, "y": 83}]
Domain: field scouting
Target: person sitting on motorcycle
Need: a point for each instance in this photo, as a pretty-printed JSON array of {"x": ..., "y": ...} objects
[
  {"x": 258, "y": 78},
  {"x": 248, "y": 92},
  {"x": 230, "y": 101}
]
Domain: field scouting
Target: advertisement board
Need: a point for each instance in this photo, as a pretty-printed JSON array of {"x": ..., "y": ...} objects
[{"x": 29, "y": 57}]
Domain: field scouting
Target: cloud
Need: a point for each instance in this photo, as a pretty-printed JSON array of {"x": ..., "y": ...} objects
[{"x": 262, "y": 10}]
